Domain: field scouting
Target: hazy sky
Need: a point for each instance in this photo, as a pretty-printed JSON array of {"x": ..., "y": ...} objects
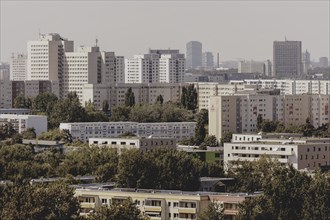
[{"x": 236, "y": 29}]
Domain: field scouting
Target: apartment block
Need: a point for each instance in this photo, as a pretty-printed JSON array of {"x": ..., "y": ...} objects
[
  {"x": 302, "y": 153},
  {"x": 15, "y": 111},
  {"x": 238, "y": 113},
  {"x": 143, "y": 144},
  {"x": 145, "y": 93},
  {"x": 18, "y": 67},
  {"x": 158, "y": 66},
  {"x": 45, "y": 57},
  {"x": 85, "y": 130},
  {"x": 23, "y": 122},
  {"x": 5, "y": 94},
  {"x": 289, "y": 87},
  {"x": 160, "y": 204}
]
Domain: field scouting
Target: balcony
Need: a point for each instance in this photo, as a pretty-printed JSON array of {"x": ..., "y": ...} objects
[
  {"x": 87, "y": 205},
  {"x": 148, "y": 208},
  {"x": 187, "y": 210}
]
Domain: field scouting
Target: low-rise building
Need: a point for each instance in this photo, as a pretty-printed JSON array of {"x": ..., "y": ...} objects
[
  {"x": 160, "y": 204},
  {"x": 143, "y": 144},
  {"x": 16, "y": 111},
  {"x": 302, "y": 153},
  {"x": 22, "y": 122},
  {"x": 85, "y": 130}
]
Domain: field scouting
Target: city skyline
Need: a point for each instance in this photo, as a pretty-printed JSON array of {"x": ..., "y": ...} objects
[{"x": 237, "y": 30}]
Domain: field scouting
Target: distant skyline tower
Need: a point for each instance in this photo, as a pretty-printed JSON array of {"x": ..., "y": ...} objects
[
  {"x": 287, "y": 58},
  {"x": 306, "y": 60},
  {"x": 324, "y": 62},
  {"x": 194, "y": 54},
  {"x": 208, "y": 60}
]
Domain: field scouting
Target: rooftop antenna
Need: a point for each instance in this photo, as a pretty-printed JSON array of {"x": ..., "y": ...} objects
[
  {"x": 285, "y": 38},
  {"x": 39, "y": 32},
  {"x": 96, "y": 41}
]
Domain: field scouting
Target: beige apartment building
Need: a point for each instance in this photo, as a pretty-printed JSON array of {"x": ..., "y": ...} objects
[
  {"x": 161, "y": 204},
  {"x": 238, "y": 113},
  {"x": 145, "y": 93},
  {"x": 302, "y": 153},
  {"x": 21, "y": 123}
]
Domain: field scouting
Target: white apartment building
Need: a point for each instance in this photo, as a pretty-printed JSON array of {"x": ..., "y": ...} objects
[
  {"x": 165, "y": 66},
  {"x": 86, "y": 65},
  {"x": 302, "y": 153},
  {"x": 18, "y": 67},
  {"x": 45, "y": 57},
  {"x": 143, "y": 144},
  {"x": 85, "y": 130},
  {"x": 238, "y": 113},
  {"x": 206, "y": 90},
  {"x": 23, "y": 122},
  {"x": 160, "y": 204},
  {"x": 290, "y": 87},
  {"x": 15, "y": 111},
  {"x": 145, "y": 93}
]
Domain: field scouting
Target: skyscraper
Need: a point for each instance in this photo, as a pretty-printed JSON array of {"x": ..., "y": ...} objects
[
  {"x": 194, "y": 54},
  {"x": 208, "y": 60},
  {"x": 287, "y": 58}
]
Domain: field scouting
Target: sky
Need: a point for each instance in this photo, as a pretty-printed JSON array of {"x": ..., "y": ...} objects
[{"x": 235, "y": 29}]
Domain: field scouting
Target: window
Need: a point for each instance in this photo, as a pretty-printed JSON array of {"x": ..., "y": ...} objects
[
  {"x": 175, "y": 204},
  {"x": 104, "y": 201},
  {"x": 169, "y": 203}
]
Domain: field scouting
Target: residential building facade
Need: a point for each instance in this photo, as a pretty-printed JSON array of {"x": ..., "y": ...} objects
[
  {"x": 302, "y": 153},
  {"x": 23, "y": 122},
  {"x": 85, "y": 130},
  {"x": 18, "y": 67},
  {"x": 143, "y": 144},
  {"x": 160, "y": 204},
  {"x": 239, "y": 113}
]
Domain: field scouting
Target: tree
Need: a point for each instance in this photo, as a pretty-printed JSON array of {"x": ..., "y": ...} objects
[
  {"x": 211, "y": 141},
  {"x": 29, "y": 133},
  {"x": 125, "y": 209},
  {"x": 22, "y": 102},
  {"x": 44, "y": 102},
  {"x": 200, "y": 131},
  {"x": 105, "y": 106},
  {"x": 226, "y": 138},
  {"x": 259, "y": 122},
  {"x": 160, "y": 99},
  {"x": 52, "y": 201},
  {"x": 189, "y": 97},
  {"x": 214, "y": 211},
  {"x": 129, "y": 98},
  {"x": 308, "y": 128}
]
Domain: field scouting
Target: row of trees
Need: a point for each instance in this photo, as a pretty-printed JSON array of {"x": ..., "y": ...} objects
[
  {"x": 60, "y": 110},
  {"x": 55, "y": 201},
  {"x": 167, "y": 112},
  {"x": 160, "y": 169},
  {"x": 306, "y": 129},
  {"x": 287, "y": 192}
]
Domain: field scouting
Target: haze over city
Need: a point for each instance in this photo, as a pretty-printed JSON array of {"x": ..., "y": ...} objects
[{"x": 238, "y": 30}]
